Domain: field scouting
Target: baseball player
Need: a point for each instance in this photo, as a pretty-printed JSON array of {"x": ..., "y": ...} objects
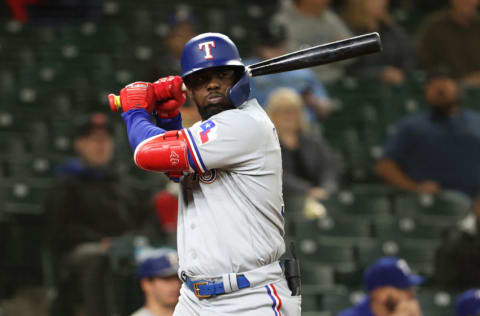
[
  {"x": 230, "y": 217},
  {"x": 157, "y": 272}
]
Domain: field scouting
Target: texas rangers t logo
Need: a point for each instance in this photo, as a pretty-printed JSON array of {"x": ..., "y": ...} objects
[
  {"x": 207, "y": 47},
  {"x": 206, "y": 128}
]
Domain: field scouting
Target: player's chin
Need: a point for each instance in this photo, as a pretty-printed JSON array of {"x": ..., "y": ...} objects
[{"x": 211, "y": 109}]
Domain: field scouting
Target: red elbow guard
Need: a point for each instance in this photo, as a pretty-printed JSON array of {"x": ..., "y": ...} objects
[{"x": 166, "y": 152}]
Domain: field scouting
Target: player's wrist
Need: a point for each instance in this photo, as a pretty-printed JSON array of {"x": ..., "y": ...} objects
[{"x": 168, "y": 115}]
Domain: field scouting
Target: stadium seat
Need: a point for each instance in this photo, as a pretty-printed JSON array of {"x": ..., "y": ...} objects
[
  {"x": 330, "y": 228},
  {"x": 420, "y": 256},
  {"x": 341, "y": 257},
  {"x": 336, "y": 302},
  {"x": 410, "y": 228},
  {"x": 436, "y": 302},
  {"x": 319, "y": 275},
  {"x": 359, "y": 205},
  {"x": 447, "y": 206}
]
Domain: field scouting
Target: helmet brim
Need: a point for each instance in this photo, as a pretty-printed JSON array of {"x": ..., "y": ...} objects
[{"x": 214, "y": 63}]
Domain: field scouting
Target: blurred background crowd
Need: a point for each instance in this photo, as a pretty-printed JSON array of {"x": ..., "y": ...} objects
[{"x": 381, "y": 154}]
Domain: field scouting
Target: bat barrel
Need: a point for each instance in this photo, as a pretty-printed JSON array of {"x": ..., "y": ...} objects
[{"x": 319, "y": 55}]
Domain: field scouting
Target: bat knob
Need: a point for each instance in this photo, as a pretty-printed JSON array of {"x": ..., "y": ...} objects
[{"x": 114, "y": 102}]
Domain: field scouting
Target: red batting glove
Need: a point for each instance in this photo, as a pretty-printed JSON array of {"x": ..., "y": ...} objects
[
  {"x": 170, "y": 97},
  {"x": 138, "y": 95}
]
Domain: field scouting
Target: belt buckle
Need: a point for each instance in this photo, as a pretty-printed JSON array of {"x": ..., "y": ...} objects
[{"x": 196, "y": 290}]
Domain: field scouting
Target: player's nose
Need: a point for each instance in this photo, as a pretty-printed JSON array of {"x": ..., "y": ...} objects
[{"x": 214, "y": 83}]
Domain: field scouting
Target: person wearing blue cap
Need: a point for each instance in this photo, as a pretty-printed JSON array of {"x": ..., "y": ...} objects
[
  {"x": 160, "y": 284},
  {"x": 468, "y": 303},
  {"x": 389, "y": 283}
]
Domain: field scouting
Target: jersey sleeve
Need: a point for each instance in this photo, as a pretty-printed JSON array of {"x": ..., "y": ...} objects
[{"x": 226, "y": 141}]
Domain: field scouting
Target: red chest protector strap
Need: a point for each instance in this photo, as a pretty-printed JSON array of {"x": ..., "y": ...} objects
[{"x": 166, "y": 152}]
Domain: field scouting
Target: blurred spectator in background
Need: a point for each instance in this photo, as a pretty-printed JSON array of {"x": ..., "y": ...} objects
[
  {"x": 468, "y": 303},
  {"x": 397, "y": 57},
  {"x": 87, "y": 207},
  {"x": 55, "y": 11},
  {"x": 310, "y": 23},
  {"x": 457, "y": 257},
  {"x": 449, "y": 39},
  {"x": 436, "y": 149},
  {"x": 270, "y": 43},
  {"x": 166, "y": 206},
  {"x": 181, "y": 28},
  {"x": 159, "y": 281},
  {"x": 310, "y": 167},
  {"x": 389, "y": 283}
]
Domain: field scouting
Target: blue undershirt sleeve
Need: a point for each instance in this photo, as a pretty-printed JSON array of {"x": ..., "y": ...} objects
[
  {"x": 139, "y": 126},
  {"x": 170, "y": 124}
]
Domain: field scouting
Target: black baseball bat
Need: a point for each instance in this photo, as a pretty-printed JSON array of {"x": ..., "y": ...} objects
[{"x": 319, "y": 55}]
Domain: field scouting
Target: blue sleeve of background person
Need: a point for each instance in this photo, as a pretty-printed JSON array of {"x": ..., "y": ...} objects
[
  {"x": 317, "y": 87},
  {"x": 171, "y": 124},
  {"x": 399, "y": 144},
  {"x": 139, "y": 126}
]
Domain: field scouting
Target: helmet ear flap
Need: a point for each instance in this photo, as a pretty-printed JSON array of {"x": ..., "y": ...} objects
[{"x": 240, "y": 91}]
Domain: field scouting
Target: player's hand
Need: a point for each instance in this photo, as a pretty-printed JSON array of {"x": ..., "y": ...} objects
[
  {"x": 428, "y": 187},
  {"x": 170, "y": 96},
  {"x": 138, "y": 95}
]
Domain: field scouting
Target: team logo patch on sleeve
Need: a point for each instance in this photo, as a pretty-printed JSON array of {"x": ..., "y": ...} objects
[{"x": 208, "y": 132}]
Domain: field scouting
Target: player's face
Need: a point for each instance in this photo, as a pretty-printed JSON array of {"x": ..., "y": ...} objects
[
  {"x": 164, "y": 291},
  {"x": 96, "y": 149},
  {"x": 209, "y": 89}
]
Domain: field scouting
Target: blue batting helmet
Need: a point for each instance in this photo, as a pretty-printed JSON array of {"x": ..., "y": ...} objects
[
  {"x": 162, "y": 262},
  {"x": 209, "y": 50}
]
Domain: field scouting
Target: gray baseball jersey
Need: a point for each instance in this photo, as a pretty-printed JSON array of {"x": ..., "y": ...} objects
[{"x": 230, "y": 217}]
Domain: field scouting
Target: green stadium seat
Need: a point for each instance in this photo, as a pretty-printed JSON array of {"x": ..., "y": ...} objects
[
  {"x": 336, "y": 302},
  {"x": 410, "y": 229},
  {"x": 319, "y": 275},
  {"x": 313, "y": 296},
  {"x": 447, "y": 206},
  {"x": 366, "y": 206},
  {"x": 341, "y": 257},
  {"x": 369, "y": 253},
  {"x": 24, "y": 195},
  {"x": 471, "y": 98},
  {"x": 436, "y": 302},
  {"x": 329, "y": 228},
  {"x": 420, "y": 256}
]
